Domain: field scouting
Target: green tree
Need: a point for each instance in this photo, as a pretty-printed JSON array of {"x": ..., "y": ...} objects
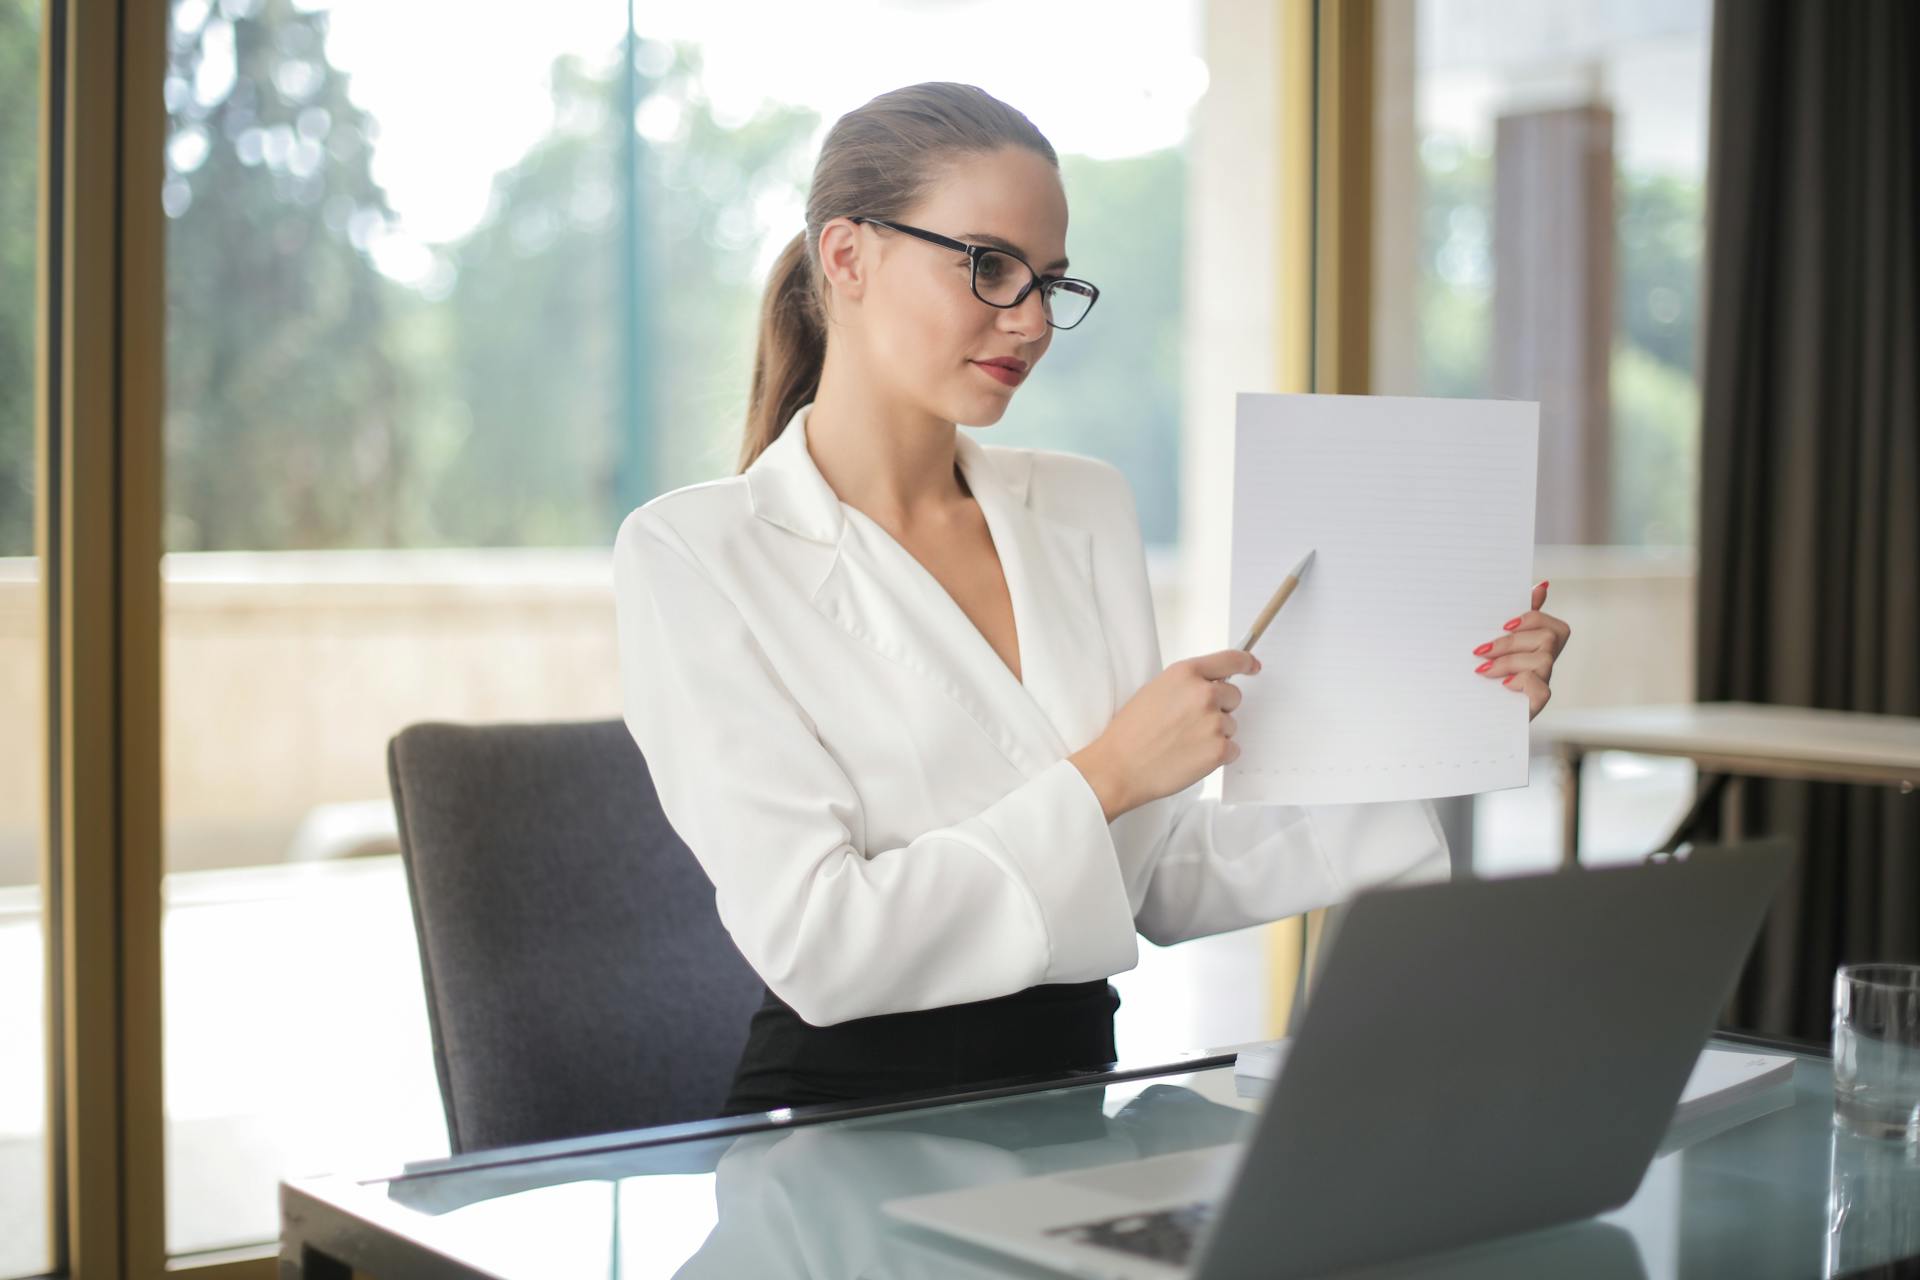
[
  {"x": 1110, "y": 388},
  {"x": 1456, "y": 269},
  {"x": 1656, "y": 396},
  {"x": 532, "y": 330},
  {"x": 285, "y": 410},
  {"x": 19, "y": 195},
  {"x": 1656, "y": 431},
  {"x": 1662, "y": 221},
  {"x": 313, "y": 402}
]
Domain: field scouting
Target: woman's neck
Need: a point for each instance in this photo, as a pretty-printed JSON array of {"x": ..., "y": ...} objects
[{"x": 897, "y": 466}]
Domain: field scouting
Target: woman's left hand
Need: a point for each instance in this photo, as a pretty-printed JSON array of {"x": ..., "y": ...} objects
[{"x": 1523, "y": 658}]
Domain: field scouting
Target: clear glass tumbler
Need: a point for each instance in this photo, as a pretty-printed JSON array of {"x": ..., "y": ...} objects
[{"x": 1876, "y": 1050}]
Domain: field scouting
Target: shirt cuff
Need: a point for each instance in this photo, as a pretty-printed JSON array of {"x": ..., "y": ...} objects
[{"x": 1055, "y": 831}]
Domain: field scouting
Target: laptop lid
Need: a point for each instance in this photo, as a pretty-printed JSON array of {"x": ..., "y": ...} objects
[{"x": 1490, "y": 1056}]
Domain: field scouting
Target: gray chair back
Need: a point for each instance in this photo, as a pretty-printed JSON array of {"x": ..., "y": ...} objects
[{"x": 578, "y": 978}]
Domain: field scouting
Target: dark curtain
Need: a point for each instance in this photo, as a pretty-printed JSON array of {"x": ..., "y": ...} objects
[{"x": 1809, "y": 587}]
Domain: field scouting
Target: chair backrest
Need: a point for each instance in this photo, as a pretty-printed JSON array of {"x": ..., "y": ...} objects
[{"x": 578, "y": 978}]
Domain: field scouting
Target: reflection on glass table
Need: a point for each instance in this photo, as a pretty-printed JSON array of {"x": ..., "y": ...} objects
[{"x": 1738, "y": 1194}]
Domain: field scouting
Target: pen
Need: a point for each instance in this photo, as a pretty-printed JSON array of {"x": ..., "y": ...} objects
[{"x": 1285, "y": 589}]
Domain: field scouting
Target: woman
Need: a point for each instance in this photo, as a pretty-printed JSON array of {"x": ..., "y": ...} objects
[{"x": 901, "y": 692}]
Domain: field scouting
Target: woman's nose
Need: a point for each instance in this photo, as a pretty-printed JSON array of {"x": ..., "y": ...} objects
[{"x": 1028, "y": 316}]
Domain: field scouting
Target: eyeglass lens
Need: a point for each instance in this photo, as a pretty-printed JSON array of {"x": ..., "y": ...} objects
[{"x": 998, "y": 278}]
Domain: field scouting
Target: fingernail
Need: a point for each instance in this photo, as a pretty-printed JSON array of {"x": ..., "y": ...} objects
[
  {"x": 1545, "y": 583},
  {"x": 1508, "y": 682},
  {"x": 1481, "y": 669},
  {"x": 1511, "y": 625},
  {"x": 1484, "y": 650}
]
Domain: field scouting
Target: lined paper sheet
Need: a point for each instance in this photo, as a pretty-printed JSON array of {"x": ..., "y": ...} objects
[{"x": 1421, "y": 516}]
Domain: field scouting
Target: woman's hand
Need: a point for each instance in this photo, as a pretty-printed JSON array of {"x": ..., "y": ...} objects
[
  {"x": 1176, "y": 730},
  {"x": 1523, "y": 658}
]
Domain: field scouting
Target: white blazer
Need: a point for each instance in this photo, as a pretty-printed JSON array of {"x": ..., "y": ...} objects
[{"x": 887, "y": 814}]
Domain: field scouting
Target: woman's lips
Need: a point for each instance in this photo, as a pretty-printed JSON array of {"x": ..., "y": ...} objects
[{"x": 1000, "y": 373}]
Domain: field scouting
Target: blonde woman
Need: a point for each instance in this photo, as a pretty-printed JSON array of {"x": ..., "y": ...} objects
[{"x": 900, "y": 691}]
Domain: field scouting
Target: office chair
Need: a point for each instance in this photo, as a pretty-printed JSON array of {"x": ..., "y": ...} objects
[{"x": 577, "y": 975}]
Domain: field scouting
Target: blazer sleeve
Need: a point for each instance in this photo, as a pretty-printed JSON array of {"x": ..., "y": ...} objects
[
  {"x": 1226, "y": 866},
  {"x": 1026, "y": 891}
]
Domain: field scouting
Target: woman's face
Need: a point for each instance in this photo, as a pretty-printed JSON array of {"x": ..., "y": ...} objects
[{"x": 923, "y": 329}]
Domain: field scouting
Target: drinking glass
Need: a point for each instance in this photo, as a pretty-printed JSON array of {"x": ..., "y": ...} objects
[{"x": 1876, "y": 1050}]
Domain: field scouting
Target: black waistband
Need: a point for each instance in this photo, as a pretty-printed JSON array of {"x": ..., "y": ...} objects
[{"x": 789, "y": 1062}]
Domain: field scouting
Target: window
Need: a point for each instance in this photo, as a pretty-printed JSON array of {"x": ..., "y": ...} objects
[
  {"x": 1539, "y": 222},
  {"x": 24, "y": 1247},
  {"x": 428, "y": 339}
]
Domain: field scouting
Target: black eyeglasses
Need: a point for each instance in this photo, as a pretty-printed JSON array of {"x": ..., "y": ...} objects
[{"x": 1004, "y": 279}]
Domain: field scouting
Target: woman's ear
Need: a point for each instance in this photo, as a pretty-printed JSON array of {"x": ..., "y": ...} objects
[{"x": 840, "y": 258}]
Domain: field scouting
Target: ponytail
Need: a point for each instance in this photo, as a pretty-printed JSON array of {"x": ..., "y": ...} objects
[{"x": 792, "y": 348}]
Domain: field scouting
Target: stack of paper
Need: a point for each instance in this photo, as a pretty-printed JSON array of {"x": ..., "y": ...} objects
[{"x": 1722, "y": 1078}]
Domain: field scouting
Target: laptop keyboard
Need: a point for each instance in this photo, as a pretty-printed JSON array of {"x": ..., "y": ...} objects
[{"x": 1165, "y": 1235}]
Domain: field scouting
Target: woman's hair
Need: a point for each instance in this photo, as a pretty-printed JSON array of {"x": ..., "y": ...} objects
[{"x": 877, "y": 161}]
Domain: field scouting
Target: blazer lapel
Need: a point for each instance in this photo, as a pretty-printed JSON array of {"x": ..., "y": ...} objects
[
  {"x": 885, "y": 599},
  {"x": 1064, "y": 661}
]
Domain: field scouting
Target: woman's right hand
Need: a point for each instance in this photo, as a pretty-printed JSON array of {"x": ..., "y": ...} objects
[{"x": 1176, "y": 730}]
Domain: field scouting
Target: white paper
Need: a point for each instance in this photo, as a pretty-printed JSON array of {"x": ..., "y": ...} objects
[
  {"x": 1722, "y": 1077},
  {"x": 1421, "y": 515},
  {"x": 1259, "y": 1065}
]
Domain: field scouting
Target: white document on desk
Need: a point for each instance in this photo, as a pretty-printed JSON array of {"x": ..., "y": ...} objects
[{"x": 1421, "y": 516}]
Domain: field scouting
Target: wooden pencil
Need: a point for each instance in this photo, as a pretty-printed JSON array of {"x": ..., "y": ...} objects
[{"x": 1280, "y": 596}]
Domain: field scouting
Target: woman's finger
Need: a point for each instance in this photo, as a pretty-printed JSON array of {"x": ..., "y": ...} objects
[
  {"x": 1537, "y": 661},
  {"x": 1227, "y": 662},
  {"x": 1533, "y": 619},
  {"x": 1226, "y": 695},
  {"x": 1519, "y": 641},
  {"x": 1536, "y": 690},
  {"x": 1540, "y": 593}
]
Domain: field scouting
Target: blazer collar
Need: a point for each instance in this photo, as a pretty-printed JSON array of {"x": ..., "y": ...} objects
[
  {"x": 786, "y": 488},
  {"x": 874, "y": 589}
]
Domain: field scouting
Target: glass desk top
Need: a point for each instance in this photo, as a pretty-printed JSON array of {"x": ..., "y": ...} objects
[{"x": 1766, "y": 1188}]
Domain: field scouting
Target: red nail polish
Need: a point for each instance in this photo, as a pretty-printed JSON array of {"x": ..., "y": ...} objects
[
  {"x": 1508, "y": 682},
  {"x": 1484, "y": 650},
  {"x": 1481, "y": 669},
  {"x": 1511, "y": 625},
  {"x": 1545, "y": 583}
]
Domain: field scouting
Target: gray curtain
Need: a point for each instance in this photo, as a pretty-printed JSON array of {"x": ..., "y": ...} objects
[{"x": 1809, "y": 588}]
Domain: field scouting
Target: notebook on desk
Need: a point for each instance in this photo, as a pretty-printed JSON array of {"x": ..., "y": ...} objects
[{"x": 1480, "y": 1058}]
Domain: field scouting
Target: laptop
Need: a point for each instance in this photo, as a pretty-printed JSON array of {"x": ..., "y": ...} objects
[{"x": 1479, "y": 1058}]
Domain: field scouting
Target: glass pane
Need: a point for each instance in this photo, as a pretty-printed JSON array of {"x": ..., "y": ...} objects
[
  {"x": 24, "y": 1247},
  {"x": 429, "y": 338},
  {"x": 1539, "y": 233}
]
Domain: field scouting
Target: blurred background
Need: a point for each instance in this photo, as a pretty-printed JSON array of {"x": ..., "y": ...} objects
[{"x": 446, "y": 298}]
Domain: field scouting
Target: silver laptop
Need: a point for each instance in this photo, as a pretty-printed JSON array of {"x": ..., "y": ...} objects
[{"x": 1479, "y": 1058}]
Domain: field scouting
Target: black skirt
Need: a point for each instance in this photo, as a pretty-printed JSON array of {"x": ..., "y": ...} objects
[{"x": 788, "y": 1062}]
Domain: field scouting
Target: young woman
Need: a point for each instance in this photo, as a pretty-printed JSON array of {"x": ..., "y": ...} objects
[{"x": 901, "y": 693}]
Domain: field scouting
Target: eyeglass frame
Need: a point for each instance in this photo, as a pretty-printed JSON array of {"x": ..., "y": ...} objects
[{"x": 974, "y": 252}]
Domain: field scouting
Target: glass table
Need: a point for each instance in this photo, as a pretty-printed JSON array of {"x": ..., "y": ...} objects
[{"x": 1765, "y": 1188}]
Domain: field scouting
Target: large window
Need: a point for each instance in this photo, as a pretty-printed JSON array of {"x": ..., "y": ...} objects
[
  {"x": 23, "y": 666},
  {"x": 1539, "y": 224},
  {"x": 437, "y": 318}
]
